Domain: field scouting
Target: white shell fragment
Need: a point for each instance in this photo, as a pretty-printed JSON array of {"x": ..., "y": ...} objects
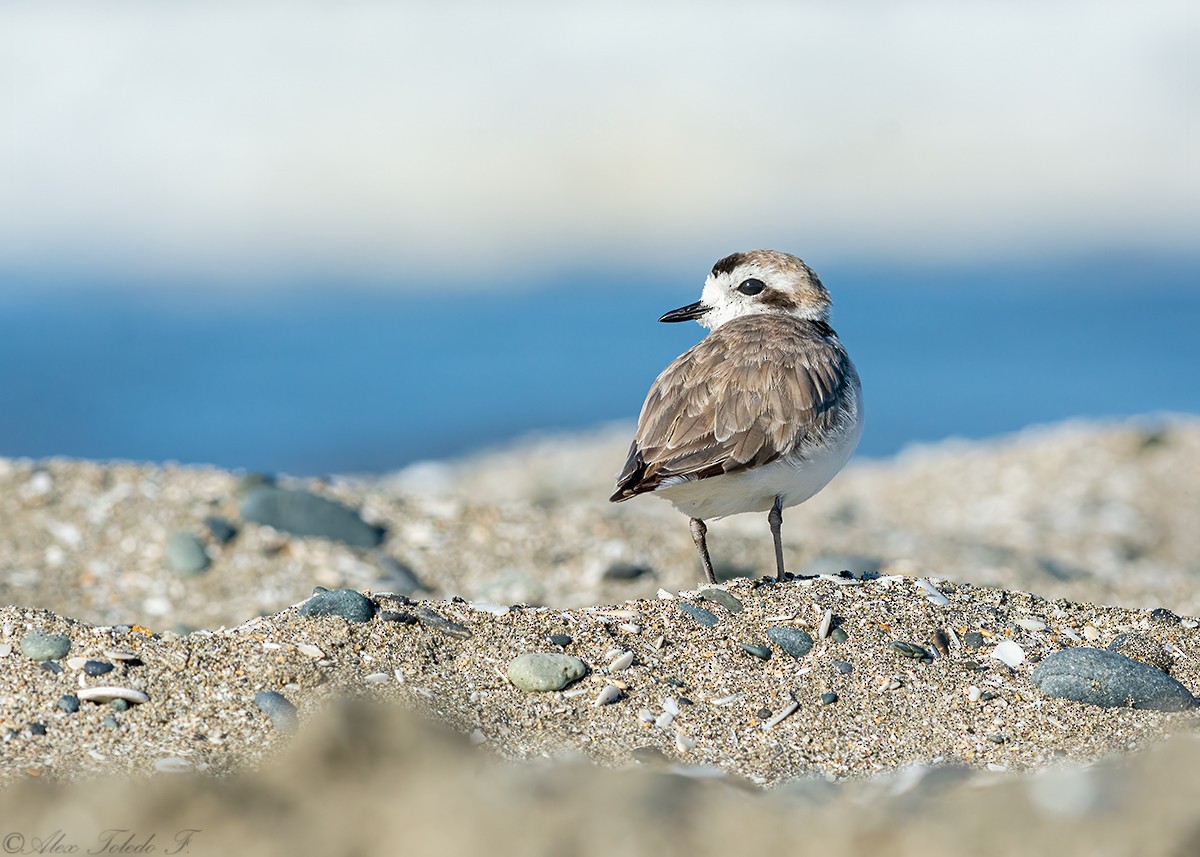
[
  {"x": 609, "y": 695},
  {"x": 1009, "y": 652},
  {"x": 107, "y": 693},
  {"x": 621, "y": 662},
  {"x": 683, "y": 743},
  {"x": 120, "y": 655},
  {"x": 76, "y": 663},
  {"x": 173, "y": 765},
  {"x": 309, "y": 650},
  {"x": 379, "y": 678},
  {"x": 932, "y": 594},
  {"x": 974, "y": 693},
  {"x": 1030, "y": 624},
  {"x": 826, "y": 625},
  {"x": 664, "y": 720},
  {"x": 671, "y": 705},
  {"x": 787, "y": 712}
]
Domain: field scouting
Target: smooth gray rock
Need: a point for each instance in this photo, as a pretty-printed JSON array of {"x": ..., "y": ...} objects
[
  {"x": 704, "y": 617},
  {"x": 545, "y": 671},
  {"x": 278, "y": 709},
  {"x": 40, "y": 646},
  {"x": 350, "y": 604},
  {"x": 795, "y": 642},
  {"x": 303, "y": 513},
  {"x": 185, "y": 553},
  {"x": 1110, "y": 680}
]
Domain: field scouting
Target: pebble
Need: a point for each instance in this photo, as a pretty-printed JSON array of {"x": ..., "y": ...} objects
[
  {"x": 5, "y": 650},
  {"x": 41, "y": 646},
  {"x": 545, "y": 671},
  {"x": 974, "y": 693},
  {"x": 560, "y": 639},
  {"x": 401, "y": 616},
  {"x": 720, "y": 596},
  {"x": 671, "y": 706},
  {"x": 911, "y": 650},
  {"x": 303, "y": 513},
  {"x": 350, "y": 604},
  {"x": 278, "y": 709},
  {"x": 51, "y": 667},
  {"x": 438, "y": 622},
  {"x": 701, "y": 615},
  {"x": 839, "y": 635},
  {"x": 759, "y": 651},
  {"x": 610, "y": 694},
  {"x": 69, "y": 703},
  {"x": 220, "y": 529},
  {"x": 1110, "y": 680},
  {"x": 1009, "y": 652},
  {"x": 793, "y": 641},
  {"x": 843, "y": 667},
  {"x": 309, "y": 650},
  {"x": 37, "y": 728},
  {"x": 110, "y": 722},
  {"x": 119, "y": 704},
  {"x": 828, "y": 698},
  {"x": 97, "y": 668},
  {"x": 108, "y": 693},
  {"x": 973, "y": 640},
  {"x": 185, "y": 553}
]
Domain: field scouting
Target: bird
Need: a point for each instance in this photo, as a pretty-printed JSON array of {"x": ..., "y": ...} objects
[{"x": 760, "y": 414}]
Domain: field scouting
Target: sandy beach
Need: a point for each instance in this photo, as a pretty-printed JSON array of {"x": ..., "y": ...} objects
[{"x": 892, "y": 693}]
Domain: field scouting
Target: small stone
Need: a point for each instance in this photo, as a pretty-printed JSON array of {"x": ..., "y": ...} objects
[
  {"x": 37, "y": 728},
  {"x": 720, "y": 596},
  {"x": 222, "y": 530},
  {"x": 310, "y": 651},
  {"x": 1110, "y": 680},
  {"x": 402, "y": 617},
  {"x": 119, "y": 704},
  {"x": 5, "y": 650},
  {"x": 843, "y": 667},
  {"x": 278, "y": 708},
  {"x": 41, "y": 646},
  {"x": 110, "y": 722},
  {"x": 560, "y": 639},
  {"x": 1164, "y": 616},
  {"x": 303, "y": 513},
  {"x": 610, "y": 694},
  {"x": 793, "y": 641},
  {"x": 69, "y": 703},
  {"x": 545, "y": 671},
  {"x": 96, "y": 668},
  {"x": 186, "y": 553},
  {"x": 828, "y": 698},
  {"x": 350, "y": 604},
  {"x": 839, "y": 635},
  {"x": 625, "y": 571},
  {"x": 701, "y": 615},
  {"x": 51, "y": 667},
  {"x": 911, "y": 650},
  {"x": 973, "y": 640},
  {"x": 438, "y": 622},
  {"x": 758, "y": 650}
]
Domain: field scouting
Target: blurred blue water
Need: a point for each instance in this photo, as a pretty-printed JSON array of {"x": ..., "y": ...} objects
[{"x": 337, "y": 379}]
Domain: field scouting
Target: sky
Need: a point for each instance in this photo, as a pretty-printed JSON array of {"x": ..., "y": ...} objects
[{"x": 415, "y": 144}]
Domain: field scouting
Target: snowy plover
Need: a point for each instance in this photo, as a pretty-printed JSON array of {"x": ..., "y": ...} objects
[{"x": 757, "y": 416}]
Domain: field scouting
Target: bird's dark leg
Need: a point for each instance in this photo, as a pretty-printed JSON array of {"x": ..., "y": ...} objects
[
  {"x": 775, "y": 519},
  {"x": 698, "y": 531}
]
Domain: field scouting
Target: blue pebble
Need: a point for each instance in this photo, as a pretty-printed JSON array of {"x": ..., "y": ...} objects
[
  {"x": 303, "y": 513},
  {"x": 795, "y": 642},
  {"x": 704, "y": 617},
  {"x": 1110, "y": 680},
  {"x": 350, "y": 604},
  {"x": 278, "y": 709},
  {"x": 69, "y": 703}
]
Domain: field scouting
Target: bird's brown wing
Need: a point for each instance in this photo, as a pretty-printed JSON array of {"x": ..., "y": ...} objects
[{"x": 756, "y": 388}]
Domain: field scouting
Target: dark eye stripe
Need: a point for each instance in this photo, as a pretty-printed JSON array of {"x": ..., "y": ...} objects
[{"x": 751, "y": 286}]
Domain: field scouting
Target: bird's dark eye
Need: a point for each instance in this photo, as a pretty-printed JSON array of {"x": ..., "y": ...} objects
[{"x": 751, "y": 286}]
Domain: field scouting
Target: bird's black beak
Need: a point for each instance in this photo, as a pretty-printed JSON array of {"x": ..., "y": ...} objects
[{"x": 686, "y": 313}]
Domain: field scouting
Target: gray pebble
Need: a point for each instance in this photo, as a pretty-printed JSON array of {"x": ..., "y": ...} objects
[
  {"x": 40, "y": 646},
  {"x": 561, "y": 639},
  {"x": 911, "y": 650},
  {"x": 759, "y": 651},
  {"x": 69, "y": 703},
  {"x": 438, "y": 622},
  {"x": 96, "y": 667},
  {"x": 185, "y": 553},
  {"x": 1110, "y": 680},
  {"x": 278, "y": 709},
  {"x": 303, "y": 513},
  {"x": 839, "y": 635},
  {"x": 795, "y": 642},
  {"x": 119, "y": 704},
  {"x": 973, "y": 640},
  {"x": 222, "y": 530},
  {"x": 37, "y": 728},
  {"x": 110, "y": 722},
  {"x": 720, "y": 596},
  {"x": 843, "y": 667},
  {"x": 701, "y": 615},
  {"x": 401, "y": 616},
  {"x": 51, "y": 667},
  {"x": 350, "y": 604},
  {"x": 828, "y": 698},
  {"x": 545, "y": 671}
]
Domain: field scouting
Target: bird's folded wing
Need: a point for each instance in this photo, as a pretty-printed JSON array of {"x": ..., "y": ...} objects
[{"x": 744, "y": 396}]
